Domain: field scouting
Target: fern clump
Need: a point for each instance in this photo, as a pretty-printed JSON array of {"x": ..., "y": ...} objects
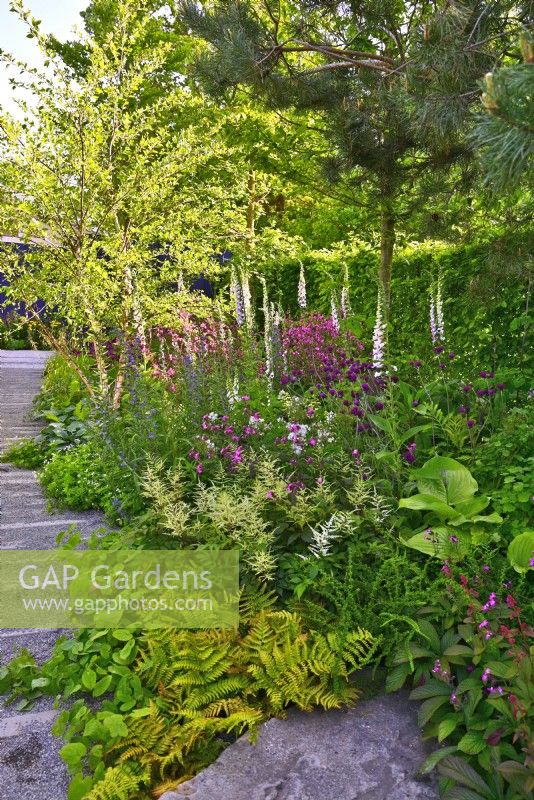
[{"x": 198, "y": 690}]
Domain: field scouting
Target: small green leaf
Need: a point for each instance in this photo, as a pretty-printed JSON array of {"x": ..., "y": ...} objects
[
  {"x": 396, "y": 678},
  {"x": 89, "y": 678},
  {"x": 472, "y": 743},
  {"x": 116, "y": 725},
  {"x": 38, "y": 683},
  {"x": 429, "y": 707},
  {"x": 73, "y": 753},
  {"x": 122, "y": 635},
  {"x": 102, "y": 685},
  {"x": 434, "y": 759},
  {"x": 79, "y": 787},
  {"x": 447, "y": 726}
]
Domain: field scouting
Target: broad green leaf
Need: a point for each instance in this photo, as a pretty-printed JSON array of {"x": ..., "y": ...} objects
[
  {"x": 447, "y": 726},
  {"x": 415, "y": 652},
  {"x": 73, "y": 753},
  {"x": 116, "y": 725},
  {"x": 416, "y": 429},
  {"x": 462, "y": 793},
  {"x": 383, "y": 424},
  {"x": 122, "y": 635},
  {"x": 432, "y": 688},
  {"x": 430, "y": 633},
  {"x": 38, "y": 683},
  {"x": 102, "y": 685},
  {"x": 447, "y": 480},
  {"x": 503, "y": 669},
  {"x": 521, "y": 551},
  {"x": 429, "y": 707},
  {"x": 396, "y": 677},
  {"x": 426, "y": 502},
  {"x": 460, "y": 771},
  {"x": 439, "y": 545},
  {"x": 79, "y": 787},
  {"x": 472, "y": 743},
  {"x": 475, "y": 505},
  {"x": 459, "y": 650},
  {"x": 434, "y": 758},
  {"x": 489, "y": 519}
]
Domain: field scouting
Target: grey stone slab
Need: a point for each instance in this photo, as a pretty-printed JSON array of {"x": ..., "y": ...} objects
[
  {"x": 371, "y": 752},
  {"x": 12, "y": 726}
]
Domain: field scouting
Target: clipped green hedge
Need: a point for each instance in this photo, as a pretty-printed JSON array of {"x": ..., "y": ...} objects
[{"x": 485, "y": 288}]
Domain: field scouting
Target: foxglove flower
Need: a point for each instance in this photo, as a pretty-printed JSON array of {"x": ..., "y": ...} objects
[
  {"x": 379, "y": 336},
  {"x": 301, "y": 292},
  {"x": 440, "y": 324},
  {"x": 433, "y": 326},
  {"x": 237, "y": 296},
  {"x": 267, "y": 334},
  {"x": 335, "y": 318},
  {"x": 247, "y": 299},
  {"x": 437, "y": 324}
]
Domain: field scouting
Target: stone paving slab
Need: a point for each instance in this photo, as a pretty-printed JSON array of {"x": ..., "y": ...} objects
[{"x": 371, "y": 752}]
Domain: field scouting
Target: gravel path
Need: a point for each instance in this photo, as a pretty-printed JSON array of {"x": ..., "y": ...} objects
[{"x": 30, "y": 767}]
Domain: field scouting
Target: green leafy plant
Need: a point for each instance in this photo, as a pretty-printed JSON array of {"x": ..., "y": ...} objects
[
  {"x": 171, "y": 699},
  {"x": 454, "y": 522},
  {"x": 471, "y": 664},
  {"x": 521, "y": 552}
]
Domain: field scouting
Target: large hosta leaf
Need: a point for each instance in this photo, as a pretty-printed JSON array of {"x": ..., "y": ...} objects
[
  {"x": 469, "y": 508},
  {"x": 447, "y": 480},
  {"x": 438, "y": 543},
  {"x": 521, "y": 551},
  {"x": 427, "y": 502}
]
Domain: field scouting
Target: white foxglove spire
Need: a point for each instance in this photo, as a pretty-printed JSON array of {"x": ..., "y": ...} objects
[
  {"x": 379, "y": 336},
  {"x": 335, "y": 317},
  {"x": 301, "y": 293}
]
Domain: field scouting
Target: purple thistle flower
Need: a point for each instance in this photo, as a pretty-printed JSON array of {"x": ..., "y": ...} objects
[{"x": 470, "y": 423}]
